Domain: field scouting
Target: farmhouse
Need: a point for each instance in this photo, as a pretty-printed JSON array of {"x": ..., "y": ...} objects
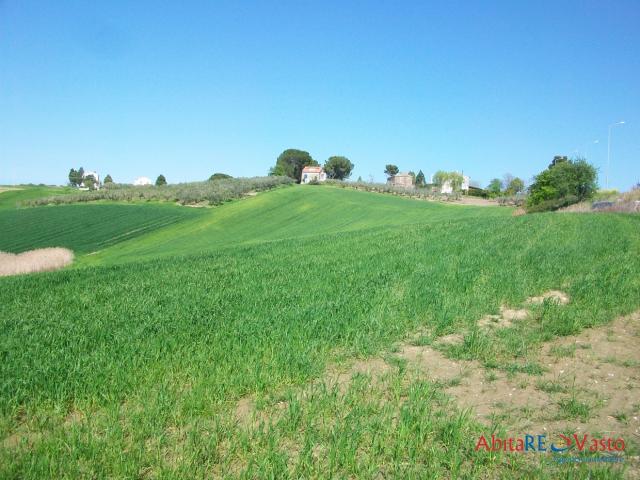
[
  {"x": 96, "y": 178},
  {"x": 402, "y": 179},
  {"x": 141, "y": 181},
  {"x": 313, "y": 174},
  {"x": 447, "y": 187}
]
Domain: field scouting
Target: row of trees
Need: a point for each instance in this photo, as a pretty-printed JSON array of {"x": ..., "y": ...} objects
[
  {"x": 439, "y": 178},
  {"x": 508, "y": 186},
  {"x": 291, "y": 162},
  {"x": 77, "y": 178}
]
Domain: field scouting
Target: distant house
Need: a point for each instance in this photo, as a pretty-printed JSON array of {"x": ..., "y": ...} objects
[
  {"x": 447, "y": 188},
  {"x": 141, "y": 181},
  {"x": 313, "y": 174},
  {"x": 402, "y": 179},
  {"x": 96, "y": 178}
]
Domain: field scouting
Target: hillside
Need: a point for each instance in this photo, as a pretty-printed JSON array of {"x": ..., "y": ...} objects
[
  {"x": 294, "y": 212},
  {"x": 203, "y": 348}
]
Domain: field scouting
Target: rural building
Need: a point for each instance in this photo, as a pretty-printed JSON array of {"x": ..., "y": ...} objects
[
  {"x": 311, "y": 174},
  {"x": 447, "y": 188},
  {"x": 95, "y": 176},
  {"x": 141, "y": 181},
  {"x": 402, "y": 179}
]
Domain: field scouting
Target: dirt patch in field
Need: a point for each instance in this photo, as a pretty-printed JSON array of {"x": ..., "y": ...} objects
[
  {"x": 555, "y": 296},
  {"x": 39, "y": 260},
  {"x": 8, "y": 189},
  {"x": 509, "y": 315},
  {"x": 591, "y": 384}
]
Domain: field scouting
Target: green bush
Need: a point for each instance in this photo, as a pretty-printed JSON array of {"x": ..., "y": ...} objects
[
  {"x": 553, "y": 204},
  {"x": 563, "y": 183}
]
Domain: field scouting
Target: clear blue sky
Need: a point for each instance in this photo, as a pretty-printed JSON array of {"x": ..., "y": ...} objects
[{"x": 191, "y": 88}]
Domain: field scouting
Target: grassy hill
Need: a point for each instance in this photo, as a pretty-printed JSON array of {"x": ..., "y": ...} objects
[
  {"x": 257, "y": 299},
  {"x": 295, "y": 212}
]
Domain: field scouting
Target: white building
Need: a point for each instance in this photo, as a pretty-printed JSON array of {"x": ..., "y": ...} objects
[
  {"x": 310, "y": 174},
  {"x": 95, "y": 176},
  {"x": 141, "y": 181},
  {"x": 447, "y": 188}
]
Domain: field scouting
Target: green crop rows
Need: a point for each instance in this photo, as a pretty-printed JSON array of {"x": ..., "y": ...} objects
[
  {"x": 127, "y": 368},
  {"x": 84, "y": 228}
]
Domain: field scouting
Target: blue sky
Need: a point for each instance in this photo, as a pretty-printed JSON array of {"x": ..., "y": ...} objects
[{"x": 191, "y": 88}]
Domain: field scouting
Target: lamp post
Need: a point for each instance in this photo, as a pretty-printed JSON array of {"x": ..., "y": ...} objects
[{"x": 621, "y": 122}]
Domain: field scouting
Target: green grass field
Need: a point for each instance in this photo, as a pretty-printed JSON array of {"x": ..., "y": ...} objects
[{"x": 131, "y": 364}]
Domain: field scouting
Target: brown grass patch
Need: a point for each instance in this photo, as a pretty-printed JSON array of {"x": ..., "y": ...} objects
[
  {"x": 552, "y": 295},
  {"x": 39, "y": 260}
]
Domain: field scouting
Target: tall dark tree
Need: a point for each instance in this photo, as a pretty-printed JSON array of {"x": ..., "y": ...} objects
[
  {"x": 391, "y": 170},
  {"x": 74, "y": 177},
  {"x": 108, "y": 179},
  {"x": 291, "y": 162},
  {"x": 338, "y": 167},
  {"x": 420, "y": 180},
  {"x": 161, "y": 180}
]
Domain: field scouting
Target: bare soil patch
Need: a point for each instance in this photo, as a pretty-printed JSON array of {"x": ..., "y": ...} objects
[
  {"x": 509, "y": 315},
  {"x": 599, "y": 369},
  {"x": 39, "y": 260}
]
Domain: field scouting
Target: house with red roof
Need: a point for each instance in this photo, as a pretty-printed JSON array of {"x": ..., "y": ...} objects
[{"x": 313, "y": 174}]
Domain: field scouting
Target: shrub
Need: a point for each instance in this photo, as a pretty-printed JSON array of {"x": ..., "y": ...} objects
[{"x": 561, "y": 184}]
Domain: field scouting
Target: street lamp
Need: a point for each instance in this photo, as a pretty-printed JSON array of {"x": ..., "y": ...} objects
[{"x": 621, "y": 122}]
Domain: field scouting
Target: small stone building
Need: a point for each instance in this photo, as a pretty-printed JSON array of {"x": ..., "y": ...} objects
[{"x": 402, "y": 179}]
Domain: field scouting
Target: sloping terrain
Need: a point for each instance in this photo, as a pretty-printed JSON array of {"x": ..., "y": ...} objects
[
  {"x": 258, "y": 299},
  {"x": 295, "y": 212}
]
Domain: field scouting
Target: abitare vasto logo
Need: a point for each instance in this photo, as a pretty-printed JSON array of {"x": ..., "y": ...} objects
[{"x": 610, "y": 448}]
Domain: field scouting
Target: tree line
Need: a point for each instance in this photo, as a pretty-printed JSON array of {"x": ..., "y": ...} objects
[{"x": 291, "y": 162}]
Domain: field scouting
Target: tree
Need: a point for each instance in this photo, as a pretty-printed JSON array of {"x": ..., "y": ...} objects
[
  {"x": 90, "y": 182},
  {"x": 161, "y": 180},
  {"x": 420, "y": 181},
  {"x": 338, "y": 168},
  {"x": 565, "y": 182},
  {"x": 507, "y": 178},
  {"x": 74, "y": 177},
  {"x": 440, "y": 177},
  {"x": 558, "y": 159},
  {"x": 391, "y": 170},
  {"x": 359, "y": 179},
  {"x": 219, "y": 176},
  {"x": 455, "y": 179},
  {"x": 495, "y": 187},
  {"x": 108, "y": 179},
  {"x": 515, "y": 186},
  {"x": 291, "y": 162}
]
